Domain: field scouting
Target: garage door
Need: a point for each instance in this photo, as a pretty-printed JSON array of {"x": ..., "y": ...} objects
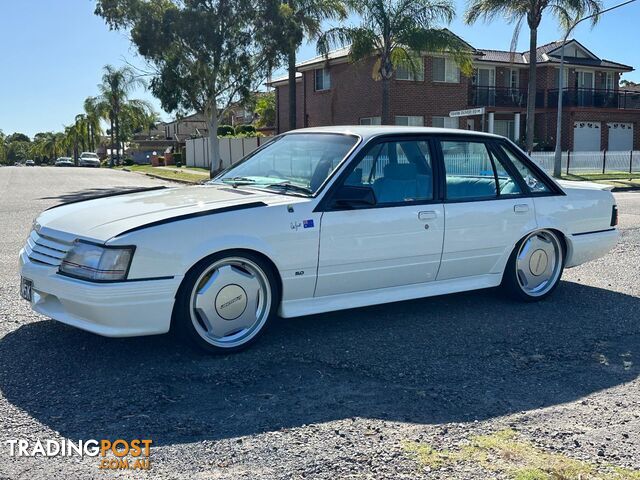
[
  {"x": 586, "y": 136},
  {"x": 620, "y": 136}
]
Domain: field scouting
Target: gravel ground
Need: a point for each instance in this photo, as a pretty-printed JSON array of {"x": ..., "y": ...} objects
[{"x": 330, "y": 396}]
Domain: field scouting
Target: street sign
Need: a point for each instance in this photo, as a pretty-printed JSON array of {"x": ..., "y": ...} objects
[{"x": 468, "y": 112}]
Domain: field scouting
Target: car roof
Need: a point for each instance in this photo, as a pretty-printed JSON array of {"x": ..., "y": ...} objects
[{"x": 366, "y": 131}]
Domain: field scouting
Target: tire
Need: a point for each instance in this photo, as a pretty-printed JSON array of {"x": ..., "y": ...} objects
[
  {"x": 226, "y": 301},
  {"x": 535, "y": 266}
]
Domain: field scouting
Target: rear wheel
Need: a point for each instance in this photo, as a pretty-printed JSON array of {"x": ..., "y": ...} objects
[
  {"x": 534, "y": 269},
  {"x": 226, "y": 301}
]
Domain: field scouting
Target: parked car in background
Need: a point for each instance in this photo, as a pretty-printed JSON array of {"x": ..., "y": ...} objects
[
  {"x": 64, "y": 162},
  {"x": 30, "y": 163},
  {"x": 89, "y": 159},
  {"x": 316, "y": 220}
]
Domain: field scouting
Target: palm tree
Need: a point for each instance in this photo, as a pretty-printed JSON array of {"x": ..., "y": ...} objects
[
  {"x": 93, "y": 117},
  {"x": 82, "y": 126},
  {"x": 397, "y": 33},
  {"x": 53, "y": 144},
  {"x": 517, "y": 11},
  {"x": 72, "y": 138},
  {"x": 117, "y": 84},
  {"x": 300, "y": 19}
]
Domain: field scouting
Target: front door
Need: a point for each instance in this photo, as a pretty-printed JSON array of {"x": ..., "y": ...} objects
[{"x": 397, "y": 241}]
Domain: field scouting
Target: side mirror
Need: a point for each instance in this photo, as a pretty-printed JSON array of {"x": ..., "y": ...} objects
[{"x": 349, "y": 196}]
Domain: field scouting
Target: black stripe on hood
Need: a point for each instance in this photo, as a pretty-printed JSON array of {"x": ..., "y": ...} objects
[
  {"x": 107, "y": 195},
  {"x": 188, "y": 216}
]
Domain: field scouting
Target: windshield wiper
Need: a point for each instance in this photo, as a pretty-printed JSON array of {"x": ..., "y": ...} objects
[
  {"x": 291, "y": 187},
  {"x": 235, "y": 181}
]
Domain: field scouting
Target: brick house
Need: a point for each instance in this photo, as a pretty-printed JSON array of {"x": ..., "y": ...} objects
[{"x": 597, "y": 115}]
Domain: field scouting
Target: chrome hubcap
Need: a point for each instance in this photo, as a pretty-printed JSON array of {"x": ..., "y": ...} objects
[
  {"x": 538, "y": 263},
  {"x": 230, "y": 302}
]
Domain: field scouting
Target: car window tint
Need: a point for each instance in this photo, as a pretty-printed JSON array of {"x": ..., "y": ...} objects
[
  {"x": 532, "y": 179},
  {"x": 397, "y": 171},
  {"x": 469, "y": 170},
  {"x": 506, "y": 183}
]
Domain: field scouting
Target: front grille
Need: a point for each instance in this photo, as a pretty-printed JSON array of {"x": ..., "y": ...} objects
[{"x": 45, "y": 249}]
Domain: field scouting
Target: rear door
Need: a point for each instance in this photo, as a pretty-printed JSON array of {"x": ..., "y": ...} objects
[
  {"x": 397, "y": 241},
  {"x": 487, "y": 208}
]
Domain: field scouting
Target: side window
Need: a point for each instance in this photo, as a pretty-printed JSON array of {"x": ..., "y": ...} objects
[
  {"x": 397, "y": 171},
  {"x": 532, "y": 179},
  {"x": 472, "y": 172}
]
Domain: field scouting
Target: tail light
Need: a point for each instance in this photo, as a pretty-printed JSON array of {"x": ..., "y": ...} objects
[{"x": 614, "y": 215}]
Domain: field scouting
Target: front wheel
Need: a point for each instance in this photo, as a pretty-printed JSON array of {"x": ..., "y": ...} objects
[
  {"x": 534, "y": 269},
  {"x": 226, "y": 301}
]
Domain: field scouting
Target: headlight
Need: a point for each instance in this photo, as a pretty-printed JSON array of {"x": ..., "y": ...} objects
[{"x": 96, "y": 262}]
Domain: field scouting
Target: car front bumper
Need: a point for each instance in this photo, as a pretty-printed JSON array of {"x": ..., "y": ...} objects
[{"x": 116, "y": 309}]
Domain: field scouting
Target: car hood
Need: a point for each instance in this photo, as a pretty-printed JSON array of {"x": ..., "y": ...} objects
[{"x": 104, "y": 218}]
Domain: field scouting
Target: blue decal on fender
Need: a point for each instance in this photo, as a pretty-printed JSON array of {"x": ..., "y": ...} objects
[{"x": 307, "y": 223}]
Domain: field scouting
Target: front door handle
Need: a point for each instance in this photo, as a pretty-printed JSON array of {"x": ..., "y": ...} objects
[
  {"x": 521, "y": 208},
  {"x": 428, "y": 215}
]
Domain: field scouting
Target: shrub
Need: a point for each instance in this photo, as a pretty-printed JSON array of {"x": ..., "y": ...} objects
[
  {"x": 177, "y": 159},
  {"x": 245, "y": 129},
  {"x": 127, "y": 162},
  {"x": 225, "y": 130}
]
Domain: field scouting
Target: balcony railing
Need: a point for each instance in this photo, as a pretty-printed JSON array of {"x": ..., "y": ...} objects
[
  {"x": 481, "y": 96},
  {"x": 594, "y": 98}
]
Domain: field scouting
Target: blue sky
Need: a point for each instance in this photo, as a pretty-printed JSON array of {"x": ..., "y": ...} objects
[{"x": 53, "y": 53}]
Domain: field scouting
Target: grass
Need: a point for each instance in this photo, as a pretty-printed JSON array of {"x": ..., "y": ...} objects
[
  {"x": 185, "y": 174},
  {"x": 504, "y": 453},
  {"x": 617, "y": 179}
]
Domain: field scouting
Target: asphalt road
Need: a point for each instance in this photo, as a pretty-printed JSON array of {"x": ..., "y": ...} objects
[{"x": 328, "y": 396}]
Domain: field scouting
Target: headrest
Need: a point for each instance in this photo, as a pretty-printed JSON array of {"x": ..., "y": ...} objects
[{"x": 400, "y": 171}]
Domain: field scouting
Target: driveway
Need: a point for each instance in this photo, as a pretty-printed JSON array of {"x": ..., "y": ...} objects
[{"x": 337, "y": 395}]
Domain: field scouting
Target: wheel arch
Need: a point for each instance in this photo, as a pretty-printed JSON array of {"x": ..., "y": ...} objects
[{"x": 240, "y": 252}]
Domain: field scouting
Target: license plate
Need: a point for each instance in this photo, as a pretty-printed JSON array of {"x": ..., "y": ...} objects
[{"x": 26, "y": 288}]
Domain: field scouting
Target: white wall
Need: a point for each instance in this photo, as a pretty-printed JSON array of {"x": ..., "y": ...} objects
[{"x": 231, "y": 150}]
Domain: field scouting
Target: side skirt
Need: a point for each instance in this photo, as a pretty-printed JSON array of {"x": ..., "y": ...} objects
[{"x": 343, "y": 301}]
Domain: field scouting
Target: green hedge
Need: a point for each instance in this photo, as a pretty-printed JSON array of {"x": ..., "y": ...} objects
[
  {"x": 224, "y": 130},
  {"x": 245, "y": 129}
]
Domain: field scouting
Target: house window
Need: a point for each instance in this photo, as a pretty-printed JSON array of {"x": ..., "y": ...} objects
[
  {"x": 415, "y": 74},
  {"x": 565, "y": 78},
  {"x": 410, "y": 121},
  {"x": 609, "y": 82},
  {"x": 323, "y": 79},
  {"x": 370, "y": 121},
  {"x": 444, "y": 122},
  {"x": 514, "y": 79},
  {"x": 445, "y": 70}
]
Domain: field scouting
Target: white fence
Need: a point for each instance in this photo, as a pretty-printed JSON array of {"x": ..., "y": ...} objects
[
  {"x": 591, "y": 162},
  {"x": 231, "y": 150}
]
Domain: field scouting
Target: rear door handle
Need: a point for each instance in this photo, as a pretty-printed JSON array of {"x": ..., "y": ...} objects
[
  {"x": 428, "y": 215},
  {"x": 521, "y": 208}
]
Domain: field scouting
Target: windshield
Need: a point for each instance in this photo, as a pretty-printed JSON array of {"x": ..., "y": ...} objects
[
  {"x": 89, "y": 155},
  {"x": 296, "y": 163}
]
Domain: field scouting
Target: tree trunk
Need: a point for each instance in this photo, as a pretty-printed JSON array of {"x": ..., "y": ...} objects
[
  {"x": 117, "y": 125},
  {"x": 293, "y": 121},
  {"x": 111, "y": 134},
  {"x": 531, "y": 93},
  {"x": 386, "y": 114},
  {"x": 215, "y": 165}
]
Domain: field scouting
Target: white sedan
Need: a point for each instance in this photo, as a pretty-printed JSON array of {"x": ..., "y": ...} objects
[{"x": 315, "y": 220}]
